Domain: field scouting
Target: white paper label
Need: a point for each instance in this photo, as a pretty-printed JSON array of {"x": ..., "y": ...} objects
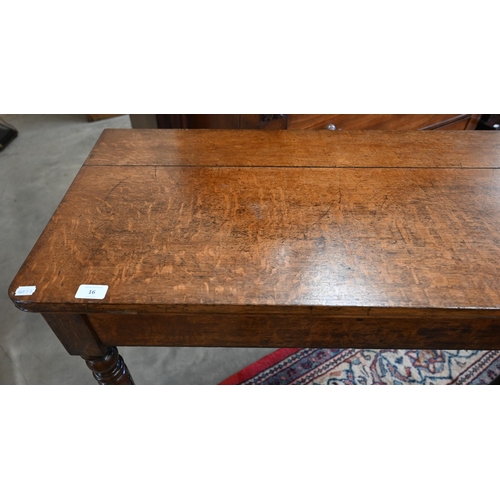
[
  {"x": 91, "y": 292},
  {"x": 25, "y": 290}
]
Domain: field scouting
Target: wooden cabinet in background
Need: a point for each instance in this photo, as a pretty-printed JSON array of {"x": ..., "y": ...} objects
[
  {"x": 382, "y": 122},
  {"x": 308, "y": 122}
]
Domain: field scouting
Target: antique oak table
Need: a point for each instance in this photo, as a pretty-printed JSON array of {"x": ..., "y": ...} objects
[{"x": 272, "y": 239}]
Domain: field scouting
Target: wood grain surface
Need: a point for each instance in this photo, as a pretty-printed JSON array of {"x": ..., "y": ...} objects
[
  {"x": 297, "y": 148},
  {"x": 184, "y": 239}
]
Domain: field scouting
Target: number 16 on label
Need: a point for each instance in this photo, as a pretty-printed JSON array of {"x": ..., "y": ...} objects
[{"x": 91, "y": 292}]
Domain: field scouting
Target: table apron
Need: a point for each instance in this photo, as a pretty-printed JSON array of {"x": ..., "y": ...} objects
[{"x": 294, "y": 330}]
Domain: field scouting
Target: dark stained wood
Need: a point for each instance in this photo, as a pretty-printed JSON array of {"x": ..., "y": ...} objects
[
  {"x": 213, "y": 121},
  {"x": 297, "y": 330},
  {"x": 252, "y": 122},
  {"x": 110, "y": 369},
  {"x": 294, "y": 122},
  {"x": 272, "y": 122},
  {"x": 207, "y": 121},
  {"x": 75, "y": 333},
  {"x": 373, "y": 122},
  {"x": 299, "y": 148},
  {"x": 392, "y": 242},
  {"x": 171, "y": 121}
]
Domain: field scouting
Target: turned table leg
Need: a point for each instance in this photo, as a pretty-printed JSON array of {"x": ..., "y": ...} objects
[
  {"x": 79, "y": 338},
  {"x": 109, "y": 369}
]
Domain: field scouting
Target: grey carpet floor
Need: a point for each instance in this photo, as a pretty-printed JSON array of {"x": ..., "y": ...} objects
[{"x": 36, "y": 169}]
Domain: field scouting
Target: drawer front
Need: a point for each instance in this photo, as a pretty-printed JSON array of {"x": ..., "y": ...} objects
[{"x": 373, "y": 122}]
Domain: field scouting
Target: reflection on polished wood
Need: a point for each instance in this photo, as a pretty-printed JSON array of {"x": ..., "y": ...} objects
[{"x": 372, "y": 239}]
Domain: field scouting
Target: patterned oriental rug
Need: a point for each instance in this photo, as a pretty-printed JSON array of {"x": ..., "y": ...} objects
[{"x": 370, "y": 367}]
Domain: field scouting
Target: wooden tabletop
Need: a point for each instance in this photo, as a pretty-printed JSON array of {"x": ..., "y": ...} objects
[{"x": 378, "y": 223}]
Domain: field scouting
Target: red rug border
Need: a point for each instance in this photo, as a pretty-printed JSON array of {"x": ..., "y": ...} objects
[{"x": 259, "y": 366}]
